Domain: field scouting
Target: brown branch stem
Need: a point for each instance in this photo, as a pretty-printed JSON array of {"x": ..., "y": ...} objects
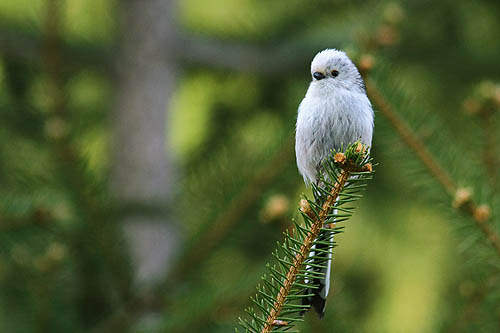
[
  {"x": 433, "y": 167},
  {"x": 304, "y": 251},
  {"x": 411, "y": 139}
]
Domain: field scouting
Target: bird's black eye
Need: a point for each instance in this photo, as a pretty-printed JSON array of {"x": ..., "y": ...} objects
[{"x": 335, "y": 73}]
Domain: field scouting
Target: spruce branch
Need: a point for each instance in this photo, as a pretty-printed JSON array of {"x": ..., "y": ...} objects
[
  {"x": 411, "y": 139},
  {"x": 300, "y": 257},
  {"x": 298, "y": 267},
  {"x": 479, "y": 213}
]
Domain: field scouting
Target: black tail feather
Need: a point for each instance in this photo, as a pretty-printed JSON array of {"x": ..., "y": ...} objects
[{"x": 317, "y": 301}]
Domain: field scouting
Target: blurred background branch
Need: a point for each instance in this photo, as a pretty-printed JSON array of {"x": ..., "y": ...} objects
[{"x": 462, "y": 198}]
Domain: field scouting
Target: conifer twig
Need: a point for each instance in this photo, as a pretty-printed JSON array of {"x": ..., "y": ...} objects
[
  {"x": 479, "y": 214},
  {"x": 410, "y": 138},
  {"x": 305, "y": 249},
  {"x": 303, "y": 257}
]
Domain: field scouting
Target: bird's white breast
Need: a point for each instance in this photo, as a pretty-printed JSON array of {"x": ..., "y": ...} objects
[{"x": 329, "y": 121}]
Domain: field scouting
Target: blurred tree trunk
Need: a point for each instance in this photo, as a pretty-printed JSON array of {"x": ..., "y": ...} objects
[{"x": 142, "y": 171}]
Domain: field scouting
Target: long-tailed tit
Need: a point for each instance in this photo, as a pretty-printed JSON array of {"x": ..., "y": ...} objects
[{"x": 334, "y": 113}]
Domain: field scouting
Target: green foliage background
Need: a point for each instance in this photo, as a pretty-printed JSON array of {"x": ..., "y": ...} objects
[{"x": 407, "y": 261}]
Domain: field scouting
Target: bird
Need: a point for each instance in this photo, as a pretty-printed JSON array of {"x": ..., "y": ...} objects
[{"x": 334, "y": 113}]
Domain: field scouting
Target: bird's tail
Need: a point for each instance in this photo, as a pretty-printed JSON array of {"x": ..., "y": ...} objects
[{"x": 318, "y": 268}]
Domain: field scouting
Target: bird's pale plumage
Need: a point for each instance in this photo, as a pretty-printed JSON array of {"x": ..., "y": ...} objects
[{"x": 334, "y": 113}]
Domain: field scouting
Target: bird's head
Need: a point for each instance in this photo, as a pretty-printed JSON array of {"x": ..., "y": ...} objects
[{"x": 332, "y": 69}]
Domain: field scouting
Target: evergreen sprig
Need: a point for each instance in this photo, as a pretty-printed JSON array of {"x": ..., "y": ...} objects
[
  {"x": 278, "y": 303},
  {"x": 462, "y": 198}
]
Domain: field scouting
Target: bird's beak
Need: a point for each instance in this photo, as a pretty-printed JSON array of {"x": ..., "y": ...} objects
[{"x": 318, "y": 76}]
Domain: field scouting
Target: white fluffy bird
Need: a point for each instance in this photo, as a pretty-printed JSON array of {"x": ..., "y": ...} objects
[{"x": 334, "y": 113}]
